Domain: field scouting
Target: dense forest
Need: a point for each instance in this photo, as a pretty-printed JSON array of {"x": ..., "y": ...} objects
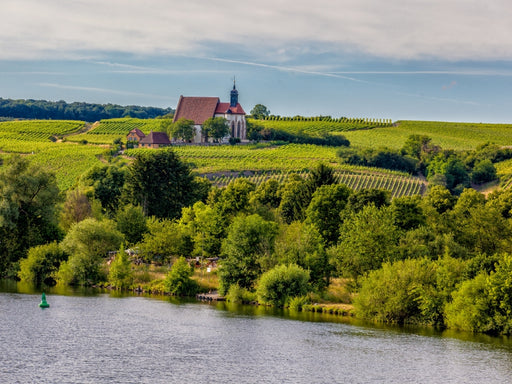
[{"x": 60, "y": 110}]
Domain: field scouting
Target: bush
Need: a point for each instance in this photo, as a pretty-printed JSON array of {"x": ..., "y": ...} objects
[
  {"x": 120, "y": 274},
  {"x": 237, "y": 294},
  {"x": 42, "y": 264},
  {"x": 279, "y": 285},
  {"x": 178, "y": 280},
  {"x": 398, "y": 293}
]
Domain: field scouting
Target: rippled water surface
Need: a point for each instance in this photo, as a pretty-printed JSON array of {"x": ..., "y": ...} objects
[{"x": 105, "y": 339}]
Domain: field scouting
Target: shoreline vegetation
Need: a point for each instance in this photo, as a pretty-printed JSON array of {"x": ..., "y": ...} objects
[{"x": 314, "y": 214}]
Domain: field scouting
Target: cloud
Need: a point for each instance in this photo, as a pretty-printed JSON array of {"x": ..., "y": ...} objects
[{"x": 269, "y": 29}]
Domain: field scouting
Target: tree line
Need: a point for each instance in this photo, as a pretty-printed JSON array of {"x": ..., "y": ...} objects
[
  {"x": 60, "y": 110},
  {"x": 455, "y": 170},
  {"x": 442, "y": 259}
]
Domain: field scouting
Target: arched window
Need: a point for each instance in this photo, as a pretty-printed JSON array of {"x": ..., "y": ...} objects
[
  {"x": 232, "y": 129},
  {"x": 238, "y": 131}
]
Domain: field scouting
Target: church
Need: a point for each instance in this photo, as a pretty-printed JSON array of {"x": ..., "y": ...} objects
[{"x": 199, "y": 109}]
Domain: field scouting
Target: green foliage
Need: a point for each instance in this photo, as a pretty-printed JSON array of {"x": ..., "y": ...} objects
[
  {"x": 178, "y": 280},
  {"x": 164, "y": 240},
  {"x": 92, "y": 237},
  {"x": 324, "y": 211},
  {"x": 368, "y": 238},
  {"x": 131, "y": 222},
  {"x": 301, "y": 244},
  {"x": 282, "y": 283},
  {"x": 160, "y": 183},
  {"x": 295, "y": 198},
  {"x": 182, "y": 129},
  {"x": 107, "y": 182},
  {"x": 470, "y": 308},
  {"x": 397, "y": 292},
  {"x": 28, "y": 195},
  {"x": 483, "y": 172},
  {"x": 215, "y": 127},
  {"x": 76, "y": 208},
  {"x": 87, "y": 243},
  {"x": 120, "y": 274},
  {"x": 259, "y": 111},
  {"x": 42, "y": 264},
  {"x": 246, "y": 251},
  {"x": 239, "y": 295}
]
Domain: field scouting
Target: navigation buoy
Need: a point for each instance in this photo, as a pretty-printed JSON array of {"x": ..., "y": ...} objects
[{"x": 43, "y": 303}]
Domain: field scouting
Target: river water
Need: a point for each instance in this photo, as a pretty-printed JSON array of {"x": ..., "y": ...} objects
[{"x": 87, "y": 337}]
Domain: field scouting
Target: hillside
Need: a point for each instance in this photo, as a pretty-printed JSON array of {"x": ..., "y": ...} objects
[{"x": 56, "y": 144}]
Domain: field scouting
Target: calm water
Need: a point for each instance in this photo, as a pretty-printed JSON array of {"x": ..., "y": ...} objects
[{"x": 104, "y": 339}]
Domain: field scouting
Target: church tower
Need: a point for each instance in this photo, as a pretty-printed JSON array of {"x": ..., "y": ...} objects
[{"x": 234, "y": 95}]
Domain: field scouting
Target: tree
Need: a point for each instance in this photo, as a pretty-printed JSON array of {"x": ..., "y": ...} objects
[
  {"x": 246, "y": 251},
  {"x": 295, "y": 198},
  {"x": 396, "y": 292},
  {"x": 322, "y": 174},
  {"x": 368, "y": 238},
  {"x": 407, "y": 212},
  {"x": 301, "y": 244},
  {"x": 28, "y": 196},
  {"x": 215, "y": 127},
  {"x": 483, "y": 172},
  {"x": 260, "y": 112},
  {"x": 206, "y": 228},
  {"x": 131, "y": 222},
  {"x": 42, "y": 264},
  {"x": 324, "y": 211},
  {"x": 107, "y": 182},
  {"x": 160, "y": 183},
  {"x": 234, "y": 199},
  {"x": 178, "y": 281},
  {"x": 282, "y": 283},
  {"x": 87, "y": 243},
  {"x": 164, "y": 240},
  {"x": 359, "y": 199},
  {"x": 182, "y": 129},
  {"x": 120, "y": 274}
]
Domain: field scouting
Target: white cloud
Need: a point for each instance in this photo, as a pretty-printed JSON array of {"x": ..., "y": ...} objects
[{"x": 276, "y": 29}]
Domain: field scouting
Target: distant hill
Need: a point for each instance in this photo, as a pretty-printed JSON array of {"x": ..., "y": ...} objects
[{"x": 60, "y": 110}]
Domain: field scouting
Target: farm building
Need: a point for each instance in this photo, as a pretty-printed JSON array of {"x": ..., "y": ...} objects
[
  {"x": 152, "y": 140},
  {"x": 199, "y": 109}
]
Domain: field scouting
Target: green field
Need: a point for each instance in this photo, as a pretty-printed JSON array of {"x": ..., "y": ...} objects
[
  {"x": 458, "y": 136},
  {"x": 41, "y": 140},
  {"x": 106, "y": 131},
  {"x": 317, "y": 126}
]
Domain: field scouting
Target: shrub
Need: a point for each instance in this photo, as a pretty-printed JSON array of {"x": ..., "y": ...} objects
[
  {"x": 282, "y": 283},
  {"x": 178, "y": 280},
  {"x": 237, "y": 294},
  {"x": 42, "y": 264}
]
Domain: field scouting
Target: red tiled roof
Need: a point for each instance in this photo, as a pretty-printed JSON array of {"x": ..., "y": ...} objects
[
  {"x": 197, "y": 109},
  {"x": 223, "y": 108},
  {"x": 138, "y": 132},
  {"x": 156, "y": 138}
]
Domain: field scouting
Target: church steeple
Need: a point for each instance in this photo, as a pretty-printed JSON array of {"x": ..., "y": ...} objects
[{"x": 234, "y": 95}]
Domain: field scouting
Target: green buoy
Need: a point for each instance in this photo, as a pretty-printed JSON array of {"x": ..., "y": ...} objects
[{"x": 43, "y": 303}]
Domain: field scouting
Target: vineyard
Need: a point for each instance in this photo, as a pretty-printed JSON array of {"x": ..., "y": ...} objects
[
  {"x": 398, "y": 185},
  {"x": 108, "y": 130},
  {"x": 221, "y": 163},
  {"x": 458, "y": 136},
  {"x": 317, "y": 126},
  {"x": 39, "y": 140},
  {"x": 257, "y": 163}
]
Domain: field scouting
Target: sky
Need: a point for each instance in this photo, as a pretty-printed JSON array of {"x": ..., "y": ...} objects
[{"x": 442, "y": 60}]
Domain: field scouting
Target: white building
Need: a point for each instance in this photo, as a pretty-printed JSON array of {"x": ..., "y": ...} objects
[{"x": 199, "y": 109}]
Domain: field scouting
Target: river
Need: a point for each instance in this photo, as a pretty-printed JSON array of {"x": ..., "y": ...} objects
[{"x": 88, "y": 337}]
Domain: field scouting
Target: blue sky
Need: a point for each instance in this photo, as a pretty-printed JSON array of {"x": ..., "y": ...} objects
[{"x": 447, "y": 60}]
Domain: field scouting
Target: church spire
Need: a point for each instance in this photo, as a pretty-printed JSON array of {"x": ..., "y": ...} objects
[{"x": 234, "y": 95}]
